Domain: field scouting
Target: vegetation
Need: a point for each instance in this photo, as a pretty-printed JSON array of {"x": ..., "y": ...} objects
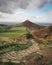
[
  {"x": 4, "y": 28},
  {"x": 28, "y": 35},
  {"x": 10, "y": 63},
  {"x": 49, "y": 63},
  {"x": 47, "y": 44},
  {"x": 7, "y": 63},
  {"x": 7, "y": 47},
  {"x": 12, "y": 32}
]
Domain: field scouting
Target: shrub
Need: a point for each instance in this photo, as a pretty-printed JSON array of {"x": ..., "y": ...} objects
[
  {"x": 28, "y": 35},
  {"x": 49, "y": 63},
  {"x": 13, "y": 47},
  {"x": 49, "y": 42}
]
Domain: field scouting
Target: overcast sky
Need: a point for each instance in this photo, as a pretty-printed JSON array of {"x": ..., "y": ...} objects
[{"x": 39, "y": 11}]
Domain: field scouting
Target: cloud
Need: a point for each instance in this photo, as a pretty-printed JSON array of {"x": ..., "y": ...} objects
[
  {"x": 36, "y": 3},
  {"x": 8, "y": 6},
  {"x": 20, "y": 10},
  {"x": 50, "y": 12},
  {"x": 42, "y": 19},
  {"x": 18, "y": 16},
  {"x": 21, "y": 15}
]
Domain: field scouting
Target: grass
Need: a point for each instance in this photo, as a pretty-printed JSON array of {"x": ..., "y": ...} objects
[
  {"x": 8, "y": 63},
  {"x": 34, "y": 54},
  {"x": 49, "y": 62},
  {"x": 14, "y": 32},
  {"x": 13, "y": 47},
  {"x": 47, "y": 44},
  {"x": 18, "y": 28}
]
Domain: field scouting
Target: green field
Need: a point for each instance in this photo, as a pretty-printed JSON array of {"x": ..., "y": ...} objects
[{"x": 14, "y": 32}]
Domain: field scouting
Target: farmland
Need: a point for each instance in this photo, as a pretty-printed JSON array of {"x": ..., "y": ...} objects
[{"x": 14, "y": 32}]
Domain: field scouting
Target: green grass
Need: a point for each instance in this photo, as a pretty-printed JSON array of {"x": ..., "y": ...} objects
[
  {"x": 18, "y": 28},
  {"x": 7, "y": 47},
  {"x": 13, "y": 34}
]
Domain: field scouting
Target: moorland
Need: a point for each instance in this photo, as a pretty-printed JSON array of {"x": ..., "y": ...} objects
[{"x": 26, "y": 43}]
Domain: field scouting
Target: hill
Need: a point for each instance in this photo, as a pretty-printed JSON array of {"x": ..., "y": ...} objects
[
  {"x": 28, "y": 24},
  {"x": 44, "y": 33}
]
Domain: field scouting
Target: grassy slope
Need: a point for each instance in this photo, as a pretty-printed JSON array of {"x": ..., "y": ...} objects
[
  {"x": 7, "y": 47},
  {"x": 14, "y": 32}
]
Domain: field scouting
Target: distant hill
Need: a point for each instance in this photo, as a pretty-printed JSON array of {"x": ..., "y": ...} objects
[
  {"x": 3, "y": 25},
  {"x": 45, "y": 24},
  {"x": 32, "y": 26}
]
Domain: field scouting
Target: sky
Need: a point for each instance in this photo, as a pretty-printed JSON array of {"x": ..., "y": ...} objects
[{"x": 37, "y": 11}]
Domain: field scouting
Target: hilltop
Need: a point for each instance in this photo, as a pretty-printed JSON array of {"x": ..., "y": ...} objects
[{"x": 30, "y": 25}]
